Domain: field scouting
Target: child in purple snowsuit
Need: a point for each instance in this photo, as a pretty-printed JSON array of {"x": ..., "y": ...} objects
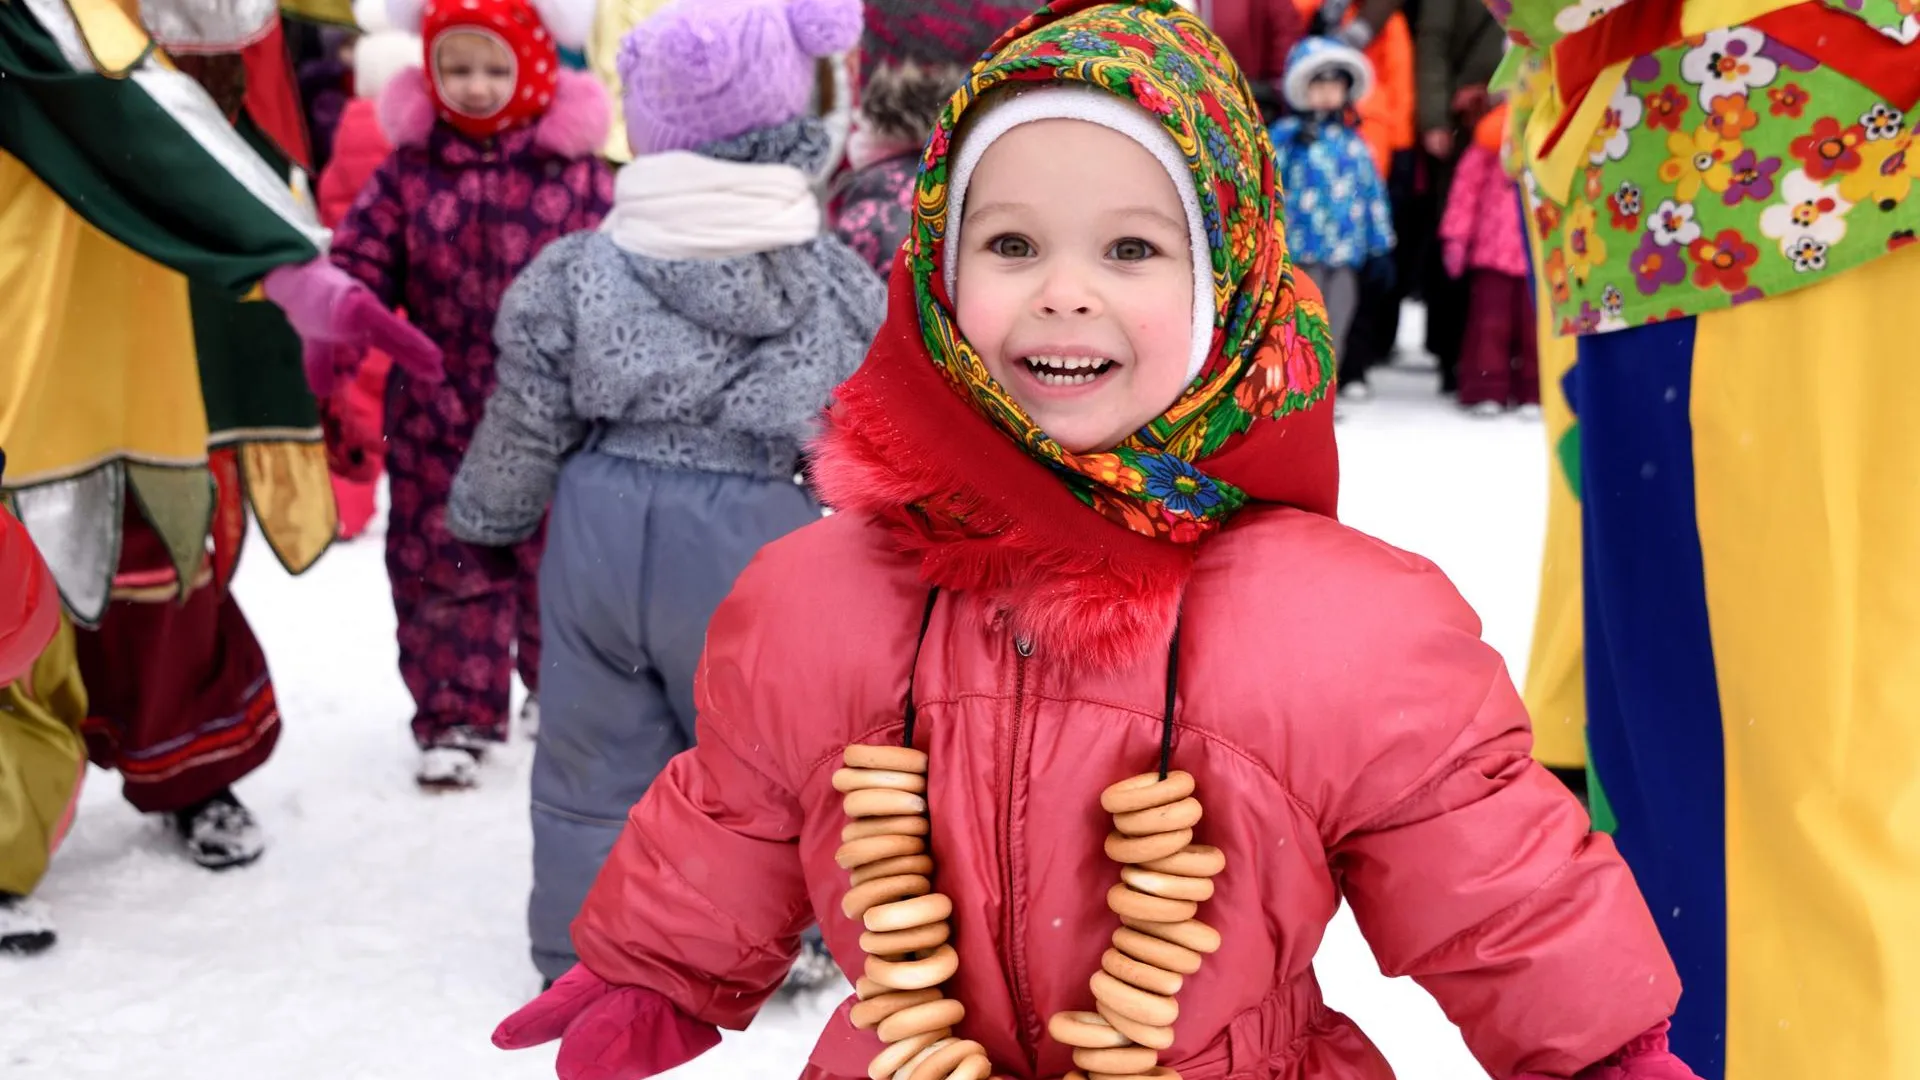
[{"x": 469, "y": 196}]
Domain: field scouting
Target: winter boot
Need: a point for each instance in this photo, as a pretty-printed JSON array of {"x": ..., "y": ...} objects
[
  {"x": 220, "y": 834},
  {"x": 26, "y": 925},
  {"x": 453, "y": 763}
]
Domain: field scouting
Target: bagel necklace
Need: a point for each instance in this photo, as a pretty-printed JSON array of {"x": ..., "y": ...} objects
[{"x": 1164, "y": 877}]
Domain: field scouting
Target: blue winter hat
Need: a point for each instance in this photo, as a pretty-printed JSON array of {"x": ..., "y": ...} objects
[{"x": 1316, "y": 57}]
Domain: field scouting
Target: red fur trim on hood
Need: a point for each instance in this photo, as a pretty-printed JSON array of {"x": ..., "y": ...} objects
[
  {"x": 574, "y": 126},
  {"x": 1064, "y": 575}
]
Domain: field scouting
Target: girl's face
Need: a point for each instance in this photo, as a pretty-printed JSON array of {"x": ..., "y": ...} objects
[
  {"x": 475, "y": 72},
  {"x": 1075, "y": 282},
  {"x": 1326, "y": 95}
]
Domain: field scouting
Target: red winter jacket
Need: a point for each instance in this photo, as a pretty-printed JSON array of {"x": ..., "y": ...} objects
[
  {"x": 1351, "y": 735},
  {"x": 29, "y": 603},
  {"x": 359, "y": 146}
]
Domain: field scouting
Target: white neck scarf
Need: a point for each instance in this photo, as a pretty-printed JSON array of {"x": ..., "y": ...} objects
[{"x": 682, "y": 205}]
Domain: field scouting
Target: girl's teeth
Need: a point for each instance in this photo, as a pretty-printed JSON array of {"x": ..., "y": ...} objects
[
  {"x": 1048, "y": 378},
  {"x": 1067, "y": 370}
]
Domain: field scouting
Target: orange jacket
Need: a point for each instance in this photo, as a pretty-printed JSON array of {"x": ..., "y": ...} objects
[{"x": 1386, "y": 114}]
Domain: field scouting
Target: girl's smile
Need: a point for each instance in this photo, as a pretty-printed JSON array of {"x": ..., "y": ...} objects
[{"x": 1075, "y": 280}]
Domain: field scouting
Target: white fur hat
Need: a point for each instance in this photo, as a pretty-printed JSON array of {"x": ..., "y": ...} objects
[
  {"x": 569, "y": 21},
  {"x": 1317, "y": 56}
]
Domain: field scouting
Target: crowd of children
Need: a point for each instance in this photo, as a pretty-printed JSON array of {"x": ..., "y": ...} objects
[
  {"x": 637, "y": 360},
  {"x": 632, "y": 367},
  {"x": 1025, "y": 738},
  {"x": 1031, "y": 613}
]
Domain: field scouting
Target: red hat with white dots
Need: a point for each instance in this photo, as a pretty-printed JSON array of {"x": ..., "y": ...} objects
[{"x": 516, "y": 26}]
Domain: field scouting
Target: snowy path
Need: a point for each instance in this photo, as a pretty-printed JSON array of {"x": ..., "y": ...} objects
[{"x": 381, "y": 937}]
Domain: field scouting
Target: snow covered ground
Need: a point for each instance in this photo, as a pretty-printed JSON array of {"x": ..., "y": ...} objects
[{"x": 381, "y": 937}]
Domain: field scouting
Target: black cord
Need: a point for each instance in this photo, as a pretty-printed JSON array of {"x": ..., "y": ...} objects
[
  {"x": 913, "y": 674},
  {"x": 1173, "y": 691}
]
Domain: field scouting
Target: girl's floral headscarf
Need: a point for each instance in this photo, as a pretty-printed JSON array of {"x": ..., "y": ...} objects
[{"x": 1269, "y": 374}]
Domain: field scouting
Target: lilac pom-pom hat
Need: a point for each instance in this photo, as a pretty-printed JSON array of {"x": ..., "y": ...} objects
[{"x": 700, "y": 71}]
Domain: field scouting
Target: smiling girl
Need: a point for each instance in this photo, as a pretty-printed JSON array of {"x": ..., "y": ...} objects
[{"x": 1079, "y": 721}]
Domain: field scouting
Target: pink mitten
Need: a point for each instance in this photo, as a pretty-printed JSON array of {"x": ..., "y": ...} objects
[
  {"x": 327, "y": 307},
  {"x": 607, "y": 1032},
  {"x": 1453, "y": 255},
  {"x": 1645, "y": 1058}
]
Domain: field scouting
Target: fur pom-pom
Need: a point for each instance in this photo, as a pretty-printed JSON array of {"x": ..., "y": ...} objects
[
  {"x": 406, "y": 14},
  {"x": 701, "y": 62},
  {"x": 569, "y": 21},
  {"x": 381, "y": 56},
  {"x": 371, "y": 16},
  {"x": 577, "y": 122},
  {"x": 825, "y": 27},
  {"x": 406, "y": 109}
]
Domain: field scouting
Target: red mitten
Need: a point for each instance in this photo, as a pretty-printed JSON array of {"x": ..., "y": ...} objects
[
  {"x": 1645, "y": 1058},
  {"x": 607, "y": 1032}
]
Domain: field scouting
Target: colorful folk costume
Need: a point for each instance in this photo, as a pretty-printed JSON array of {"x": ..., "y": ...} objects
[
  {"x": 1723, "y": 193},
  {"x": 146, "y": 400}
]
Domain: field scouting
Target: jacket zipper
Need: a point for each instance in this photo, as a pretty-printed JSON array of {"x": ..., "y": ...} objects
[{"x": 1014, "y": 880}]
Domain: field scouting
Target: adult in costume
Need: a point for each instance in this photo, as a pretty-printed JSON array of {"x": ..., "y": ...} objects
[
  {"x": 149, "y": 171},
  {"x": 1723, "y": 192}
]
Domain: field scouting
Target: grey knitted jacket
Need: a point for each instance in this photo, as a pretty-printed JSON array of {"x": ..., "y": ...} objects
[{"x": 719, "y": 365}]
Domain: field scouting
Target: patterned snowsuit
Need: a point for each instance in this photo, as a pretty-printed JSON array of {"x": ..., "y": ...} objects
[{"x": 442, "y": 229}]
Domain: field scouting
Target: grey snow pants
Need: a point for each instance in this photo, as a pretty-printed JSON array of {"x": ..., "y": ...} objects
[{"x": 638, "y": 557}]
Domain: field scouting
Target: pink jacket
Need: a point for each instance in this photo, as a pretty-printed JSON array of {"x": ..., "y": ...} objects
[
  {"x": 1352, "y": 738},
  {"x": 359, "y": 146},
  {"x": 1482, "y": 222}
]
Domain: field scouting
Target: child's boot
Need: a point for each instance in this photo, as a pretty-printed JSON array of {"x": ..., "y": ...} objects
[
  {"x": 26, "y": 925},
  {"x": 220, "y": 834},
  {"x": 451, "y": 764}
]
